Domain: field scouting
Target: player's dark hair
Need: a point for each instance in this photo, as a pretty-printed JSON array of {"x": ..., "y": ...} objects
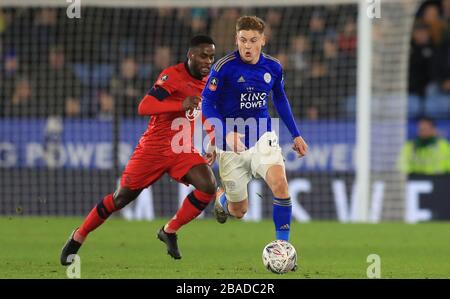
[
  {"x": 250, "y": 23},
  {"x": 199, "y": 40}
]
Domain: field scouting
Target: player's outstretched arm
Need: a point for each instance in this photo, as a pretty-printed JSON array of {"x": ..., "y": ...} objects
[
  {"x": 158, "y": 100},
  {"x": 150, "y": 105},
  {"x": 284, "y": 110}
]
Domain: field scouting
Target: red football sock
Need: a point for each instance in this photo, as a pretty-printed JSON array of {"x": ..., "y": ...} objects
[
  {"x": 192, "y": 206},
  {"x": 96, "y": 217}
]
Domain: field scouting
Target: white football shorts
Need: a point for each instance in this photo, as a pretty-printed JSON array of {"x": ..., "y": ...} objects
[{"x": 236, "y": 170}]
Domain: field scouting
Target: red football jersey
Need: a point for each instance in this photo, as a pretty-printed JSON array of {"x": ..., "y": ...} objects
[{"x": 177, "y": 81}]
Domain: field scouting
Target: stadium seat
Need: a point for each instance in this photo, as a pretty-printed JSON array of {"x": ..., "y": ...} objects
[
  {"x": 97, "y": 75},
  {"x": 414, "y": 106},
  {"x": 437, "y": 106}
]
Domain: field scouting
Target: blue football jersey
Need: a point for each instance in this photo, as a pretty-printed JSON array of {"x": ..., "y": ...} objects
[{"x": 238, "y": 90}]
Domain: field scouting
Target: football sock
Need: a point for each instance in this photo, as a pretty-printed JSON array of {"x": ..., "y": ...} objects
[
  {"x": 95, "y": 218},
  {"x": 192, "y": 206},
  {"x": 282, "y": 211},
  {"x": 224, "y": 203}
]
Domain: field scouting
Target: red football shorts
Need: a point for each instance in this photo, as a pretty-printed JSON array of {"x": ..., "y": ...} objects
[{"x": 145, "y": 168}]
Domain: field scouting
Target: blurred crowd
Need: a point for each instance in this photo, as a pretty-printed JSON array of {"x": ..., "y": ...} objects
[
  {"x": 429, "y": 73},
  {"x": 104, "y": 62},
  {"x": 428, "y": 153},
  {"x": 101, "y": 65}
]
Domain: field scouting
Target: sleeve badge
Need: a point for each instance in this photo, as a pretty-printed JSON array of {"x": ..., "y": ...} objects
[
  {"x": 213, "y": 84},
  {"x": 162, "y": 79}
]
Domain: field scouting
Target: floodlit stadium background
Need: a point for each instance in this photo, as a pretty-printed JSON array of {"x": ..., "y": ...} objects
[{"x": 69, "y": 90}]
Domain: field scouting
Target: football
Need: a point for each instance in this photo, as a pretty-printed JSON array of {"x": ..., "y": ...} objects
[{"x": 279, "y": 257}]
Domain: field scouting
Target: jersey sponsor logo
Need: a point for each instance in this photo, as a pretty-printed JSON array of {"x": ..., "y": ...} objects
[
  {"x": 241, "y": 79},
  {"x": 253, "y": 96},
  {"x": 213, "y": 84},
  {"x": 251, "y": 100},
  {"x": 267, "y": 78}
]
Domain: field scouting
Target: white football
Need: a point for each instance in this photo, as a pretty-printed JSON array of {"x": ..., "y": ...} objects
[{"x": 279, "y": 257}]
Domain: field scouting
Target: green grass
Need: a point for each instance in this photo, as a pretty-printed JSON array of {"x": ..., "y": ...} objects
[{"x": 30, "y": 248}]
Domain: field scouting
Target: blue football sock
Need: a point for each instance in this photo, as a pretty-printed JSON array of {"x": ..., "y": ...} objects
[
  {"x": 282, "y": 211},
  {"x": 224, "y": 203}
]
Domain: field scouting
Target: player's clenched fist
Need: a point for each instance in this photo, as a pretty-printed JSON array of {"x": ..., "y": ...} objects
[
  {"x": 191, "y": 103},
  {"x": 300, "y": 146}
]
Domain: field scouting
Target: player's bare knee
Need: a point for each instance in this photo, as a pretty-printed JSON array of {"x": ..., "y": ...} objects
[
  {"x": 280, "y": 189},
  {"x": 208, "y": 186},
  {"x": 203, "y": 181}
]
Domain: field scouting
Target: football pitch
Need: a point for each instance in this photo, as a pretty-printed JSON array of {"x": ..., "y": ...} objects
[{"x": 30, "y": 248}]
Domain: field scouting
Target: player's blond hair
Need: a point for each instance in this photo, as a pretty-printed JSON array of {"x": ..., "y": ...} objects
[{"x": 250, "y": 23}]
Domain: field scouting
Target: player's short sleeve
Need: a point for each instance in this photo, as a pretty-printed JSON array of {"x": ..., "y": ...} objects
[{"x": 169, "y": 80}]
